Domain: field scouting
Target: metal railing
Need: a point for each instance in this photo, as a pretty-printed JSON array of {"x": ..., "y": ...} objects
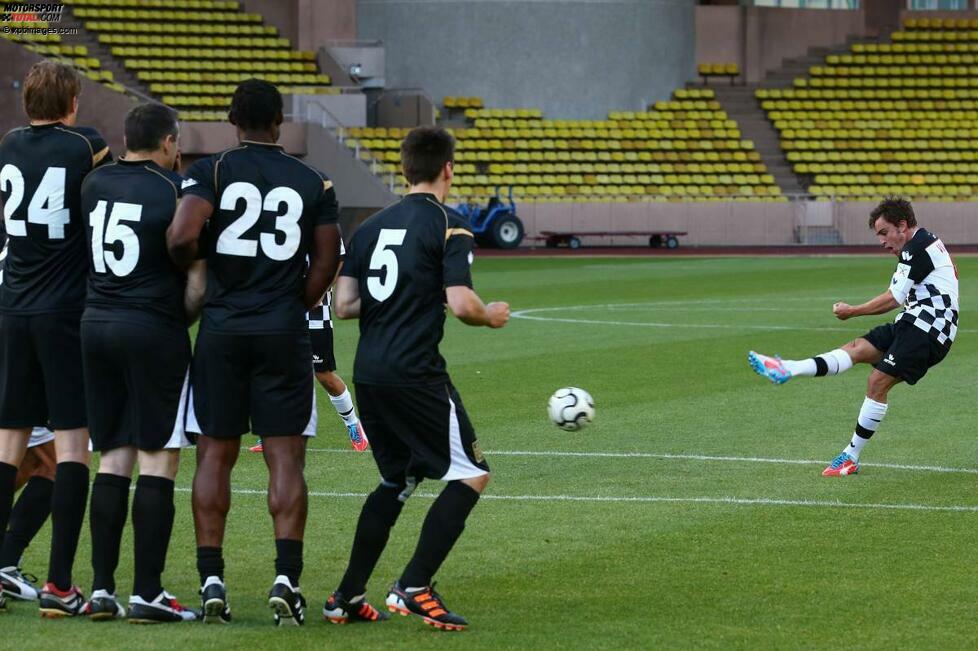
[{"x": 315, "y": 113}]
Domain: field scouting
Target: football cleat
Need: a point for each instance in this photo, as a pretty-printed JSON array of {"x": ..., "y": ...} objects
[
  {"x": 214, "y": 602},
  {"x": 338, "y": 610},
  {"x": 770, "y": 367},
  {"x": 427, "y": 604},
  {"x": 56, "y": 603},
  {"x": 287, "y": 603},
  {"x": 842, "y": 466},
  {"x": 102, "y": 607},
  {"x": 358, "y": 438},
  {"x": 164, "y": 609},
  {"x": 17, "y": 584},
  {"x": 257, "y": 447}
]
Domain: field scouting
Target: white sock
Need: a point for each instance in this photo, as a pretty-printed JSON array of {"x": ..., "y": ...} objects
[
  {"x": 870, "y": 416},
  {"x": 830, "y": 363},
  {"x": 343, "y": 404}
]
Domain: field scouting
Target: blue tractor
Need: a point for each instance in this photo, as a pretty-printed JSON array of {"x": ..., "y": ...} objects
[{"x": 496, "y": 224}]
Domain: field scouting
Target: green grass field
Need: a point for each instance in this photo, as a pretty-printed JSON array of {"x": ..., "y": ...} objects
[{"x": 690, "y": 514}]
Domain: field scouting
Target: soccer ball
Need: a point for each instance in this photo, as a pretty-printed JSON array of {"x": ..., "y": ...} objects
[{"x": 571, "y": 408}]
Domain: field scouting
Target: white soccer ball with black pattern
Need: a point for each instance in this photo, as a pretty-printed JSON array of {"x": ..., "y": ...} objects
[{"x": 571, "y": 408}]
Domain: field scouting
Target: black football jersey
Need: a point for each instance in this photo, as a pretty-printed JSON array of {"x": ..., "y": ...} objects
[
  {"x": 128, "y": 206},
  {"x": 266, "y": 207},
  {"x": 403, "y": 258},
  {"x": 41, "y": 172}
]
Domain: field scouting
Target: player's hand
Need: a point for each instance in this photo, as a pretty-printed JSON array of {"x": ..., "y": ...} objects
[
  {"x": 498, "y": 314},
  {"x": 842, "y": 311}
]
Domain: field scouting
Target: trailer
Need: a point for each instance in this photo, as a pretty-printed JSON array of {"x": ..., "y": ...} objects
[{"x": 572, "y": 239}]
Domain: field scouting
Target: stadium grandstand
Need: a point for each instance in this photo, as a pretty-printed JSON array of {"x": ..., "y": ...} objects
[{"x": 635, "y": 197}]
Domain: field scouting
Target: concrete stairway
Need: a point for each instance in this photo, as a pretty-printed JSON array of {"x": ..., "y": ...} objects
[{"x": 741, "y": 105}]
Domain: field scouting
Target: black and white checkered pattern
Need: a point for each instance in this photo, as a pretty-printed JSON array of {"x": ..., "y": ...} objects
[
  {"x": 926, "y": 282},
  {"x": 933, "y": 312},
  {"x": 319, "y": 316}
]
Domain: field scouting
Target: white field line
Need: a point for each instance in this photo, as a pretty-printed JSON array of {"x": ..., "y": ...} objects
[
  {"x": 531, "y": 314},
  {"x": 652, "y": 499},
  {"x": 698, "y": 457}
]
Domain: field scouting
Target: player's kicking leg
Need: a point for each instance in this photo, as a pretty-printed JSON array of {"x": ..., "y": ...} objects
[
  {"x": 869, "y": 349},
  {"x": 29, "y": 514},
  {"x": 13, "y": 446},
  {"x": 342, "y": 401}
]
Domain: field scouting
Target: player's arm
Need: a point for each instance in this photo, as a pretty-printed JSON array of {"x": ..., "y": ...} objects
[
  {"x": 468, "y": 308},
  {"x": 198, "y": 194},
  {"x": 323, "y": 262},
  {"x": 464, "y": 303},
  {"x": 346, "y": 298},
  {"x": 193, "y": 295},
  {"x": 882, "y": 304},
  {"x": 183, "y": 235}
]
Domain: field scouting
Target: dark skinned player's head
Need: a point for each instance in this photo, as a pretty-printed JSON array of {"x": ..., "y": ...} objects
[{"x": 256, "y": 108}]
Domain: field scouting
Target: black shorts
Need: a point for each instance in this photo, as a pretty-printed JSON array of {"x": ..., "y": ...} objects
[
  {"x": 41, "y": 380},
  {"x": 908, "y": 351},
  {"x": 321, "y": 340},
  {"x": 138, "y": 379},
  {"x": 420, "y": 431},
  {"x": 258, "y": 383}
]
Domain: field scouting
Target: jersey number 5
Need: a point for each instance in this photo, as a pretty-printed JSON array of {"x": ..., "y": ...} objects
[
  {"x": 384, "y": 259},
  {"x": 47, "y": 206},
  {"x": 232, "y": 242},
  {"x": 116, "y": 231}
]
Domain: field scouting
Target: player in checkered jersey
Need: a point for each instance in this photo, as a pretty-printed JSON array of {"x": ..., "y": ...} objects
[
  {"x": 925, "y": 284},
  {"x": 324, "y": 365}
]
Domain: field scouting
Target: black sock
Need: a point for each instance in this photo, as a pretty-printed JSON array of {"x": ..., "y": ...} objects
[
  {"x": 8, "y": 484},
  {"x": 27, "y": 517},
  {"x": 377, "y": 518},
  {"x": 289, "y": 559},
  {"x": 67, "y": 515},
  {"x": 210, "y": 562},
  {"x": 152, "y": 523},
  {"x": 442, "y": 527},
  {"x": 110, "y": 500}
]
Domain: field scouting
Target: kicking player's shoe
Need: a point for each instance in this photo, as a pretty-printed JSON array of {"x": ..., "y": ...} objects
[
  {"x": 214, "y": 605},
  {"x": 286, "y": 602},
  {"x": 358, "y": 438},
  {"x": 842, "y": 466},
  {"x": 56, "y": 603},
  {"x": 257, "y": 447},
  {"x": 340, "y": 611},
  {"x": 102, "y": 607},
  {"x": 162, "y": 610},
  {"x": 770, "y": 367},
  {"x": 18, "y": 585},
  {"x": 427, "y": 604}
]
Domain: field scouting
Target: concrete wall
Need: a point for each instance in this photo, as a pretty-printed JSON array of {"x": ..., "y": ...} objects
[
  {"x": 99, "y": 107},
  {"x": 955, "y": 223},
  {"x": 733, "y": 223},
  {"x": 572, "y": 58},
  {"x": 759, "y": 38},
  {"x": 308, "y": 23}
]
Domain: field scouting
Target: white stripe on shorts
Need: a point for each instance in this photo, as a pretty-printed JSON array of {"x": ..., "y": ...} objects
[
  {"x": 178, "y": 439},
  {"x": 40, "y": 436},
  {"x": 460, "y": 467}
]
